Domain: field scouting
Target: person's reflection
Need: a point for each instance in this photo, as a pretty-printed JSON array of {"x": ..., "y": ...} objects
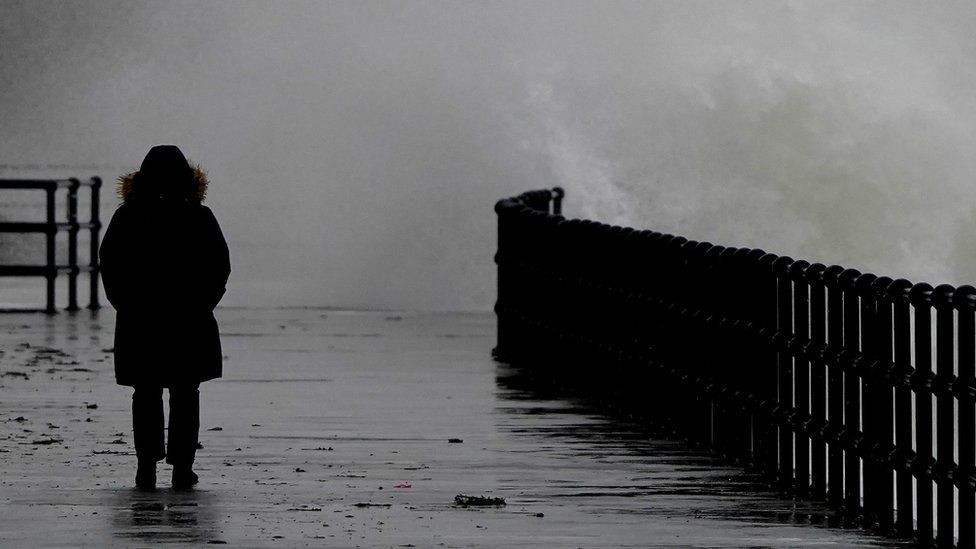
[{"x": 165, "y": 515}]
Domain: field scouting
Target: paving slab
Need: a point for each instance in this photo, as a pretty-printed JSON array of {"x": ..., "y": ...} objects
[{"x": 358, "y": 429}]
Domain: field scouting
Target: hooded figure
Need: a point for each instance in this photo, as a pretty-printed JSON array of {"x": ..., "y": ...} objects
[{"x": 164, "y": 265}]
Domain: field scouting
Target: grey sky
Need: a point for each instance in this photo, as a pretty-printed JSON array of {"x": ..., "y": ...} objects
[{"x": 356, "y": 148}]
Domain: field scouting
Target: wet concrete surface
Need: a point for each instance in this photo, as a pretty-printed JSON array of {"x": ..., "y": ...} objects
[{"x": 358, "y": 429}]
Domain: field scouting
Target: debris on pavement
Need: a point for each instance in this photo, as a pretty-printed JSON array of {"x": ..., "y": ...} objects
[{"x": 478, "y": 501}]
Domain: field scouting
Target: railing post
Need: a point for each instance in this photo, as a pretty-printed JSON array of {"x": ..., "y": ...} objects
[
  {"x": 557, "y": 200},
  {"x": 73, "y": 244},
  {"x": 715, "y": 430},
  {"x": 801, "y": 375},
  {"x": 734, "y": 322},
  {"x": 863, "y": 366},
  {"x": 729, "y": 328},
  {"x": 96, "y": 224},
  {"x": 901, "y": 375},
  {"x": 850, "y": 438},
  {"x": 818, "y": 381},
  {"x": 835, "y": 385},
  {"x": 697, "y": 403},
  {"x": 784, "y": 399},
  {"x": 965, "y": 301},
  {"x": 507, "y": 333},
  {"x": 945, "y": 432},
  {"x": 881, "y": 403},
  {"x": 921, "y": 298},
  {"x": 50, "y": 235},
  {"x": 768, "y": 382},
  {"x": 755, "y": 278}
]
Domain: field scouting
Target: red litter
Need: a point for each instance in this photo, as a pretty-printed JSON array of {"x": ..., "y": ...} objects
[{"x": 403, "y": 485}]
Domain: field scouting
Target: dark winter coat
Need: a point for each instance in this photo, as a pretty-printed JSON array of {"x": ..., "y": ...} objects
[{"x": 165, "y": 265}]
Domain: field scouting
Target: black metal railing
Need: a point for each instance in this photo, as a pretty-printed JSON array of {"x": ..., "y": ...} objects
[
  {"x": 50, "y": 227},
  {"x": 819, "y": 377}
]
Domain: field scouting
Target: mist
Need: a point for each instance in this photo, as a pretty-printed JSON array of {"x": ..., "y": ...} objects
[{"x": 356, "y": 149}]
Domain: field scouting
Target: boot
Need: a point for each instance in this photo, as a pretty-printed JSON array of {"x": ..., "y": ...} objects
[
  {"x": 183, "y": 477},
  {"x": 146, "y": 475}
]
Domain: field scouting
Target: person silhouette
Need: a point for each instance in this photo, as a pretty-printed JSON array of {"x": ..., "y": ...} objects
[{"x": 165, "y": 265}]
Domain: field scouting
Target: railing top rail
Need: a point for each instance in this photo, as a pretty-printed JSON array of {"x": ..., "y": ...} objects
[
  {"x": 48, "y": 184},
  {"x": 920, "y": 294},
  {"x": 91, "y": 182},
  {"x": 44, "y": 184}
]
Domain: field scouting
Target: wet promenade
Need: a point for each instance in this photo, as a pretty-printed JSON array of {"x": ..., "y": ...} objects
[{"x": 346, "y": 429}]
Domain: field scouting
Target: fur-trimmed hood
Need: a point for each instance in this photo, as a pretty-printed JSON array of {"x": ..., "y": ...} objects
[{"x": 127, "y": 183}]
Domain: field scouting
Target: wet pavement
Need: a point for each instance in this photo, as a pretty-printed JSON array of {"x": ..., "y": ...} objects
[{"x": 358, "y": 429}]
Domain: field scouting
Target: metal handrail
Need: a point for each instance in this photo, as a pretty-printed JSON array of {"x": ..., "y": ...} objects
[
  {"x": 50, "y": 227},
  {"x": 760, "y": 358}
]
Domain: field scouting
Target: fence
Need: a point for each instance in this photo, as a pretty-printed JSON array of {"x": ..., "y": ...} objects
[
  {"x": 819, "y": 377},
  {"x": 50, "y": 228}
]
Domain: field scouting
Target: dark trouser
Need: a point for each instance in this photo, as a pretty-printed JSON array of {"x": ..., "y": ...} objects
[{"x": 184, "y": 423}]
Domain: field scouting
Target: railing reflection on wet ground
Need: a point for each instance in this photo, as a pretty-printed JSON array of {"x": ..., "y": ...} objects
[{"x": 669, "y": 478}]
